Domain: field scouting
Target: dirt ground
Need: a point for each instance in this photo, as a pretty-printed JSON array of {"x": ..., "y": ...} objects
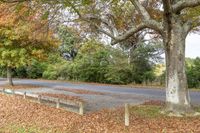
[{"x": 19, "y": 115}]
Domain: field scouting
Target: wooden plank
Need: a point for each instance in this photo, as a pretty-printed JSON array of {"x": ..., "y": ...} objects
[
  {"x": 19, "y": 93},
  {"x": 8, "y": 91},
  {"x": 69, "y": 102},
  {"x": 31, "y": 95},
  {"x": 61, "y": 101},
  {"x": 47, "y": 98},
  {"x": 51, "y": 99}
]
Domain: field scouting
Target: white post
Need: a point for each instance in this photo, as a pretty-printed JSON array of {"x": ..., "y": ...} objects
[
  {"x": 39, "y": 98},
  {"x": 24, "y": 95},
  {"x": 13, "y": 91},
  {"x": 126, "y": 114},
  {"x": 81, "y": 108},
  {"x": 58, "y": 103}
]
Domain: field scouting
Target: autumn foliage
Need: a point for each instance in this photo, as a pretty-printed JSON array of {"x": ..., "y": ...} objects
[{"x": 23, "y": 35}]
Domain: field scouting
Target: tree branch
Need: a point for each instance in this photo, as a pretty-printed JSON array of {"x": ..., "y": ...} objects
[
  {"x": 195, "y": 23},
  {"x": 167, "y": 6},
  {"x": 179, "y": 6},
  {"x": 147, "y": 20},
  {"x": 128, "y": 33},
  {"x": 148, "y": 24},
  {"x": 88, "y": 19},
  {"x": 109, "y": 25},
  {"x": 142, "y": 11},
  {"x": 191, "y": 24}
]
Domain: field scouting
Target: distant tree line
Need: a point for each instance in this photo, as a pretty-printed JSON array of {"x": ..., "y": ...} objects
[{"x": 96, "y": 62}]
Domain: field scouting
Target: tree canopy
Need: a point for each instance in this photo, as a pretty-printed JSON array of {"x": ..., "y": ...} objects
[
  {"x": 20, "y": 41},
  {"x": 21, "y": 38}
]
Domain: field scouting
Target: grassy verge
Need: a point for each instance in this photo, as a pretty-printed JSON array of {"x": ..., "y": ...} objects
[
  {"x": 20, "y": 129},
  {"x": 146, "y": 111}
]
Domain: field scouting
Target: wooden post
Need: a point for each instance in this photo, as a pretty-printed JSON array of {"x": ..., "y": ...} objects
[
  {"x": 13, "y": 92},
  {"x": 58, "y": 103},
  {"x": 24, "y": 95},
  {"x": 39, "y": 98},
  {"x": 126, "y": 114},
  {"x": 81, "y": 108}
]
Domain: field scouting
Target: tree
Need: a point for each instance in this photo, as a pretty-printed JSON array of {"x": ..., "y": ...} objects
[
  {"x": 92, "y": 61},
  {"x": 143, "y": 60},
  {"x": 19, "y": 42},
  {"x": 172, "y": 20},
  {"x": 193, "y": 74},
  {"x": 69, "y": 42}
]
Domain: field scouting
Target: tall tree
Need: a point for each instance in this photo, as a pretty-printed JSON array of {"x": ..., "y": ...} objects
[
  {"x": 172, "y": 20},
  {"x": 19, "y": 41}
]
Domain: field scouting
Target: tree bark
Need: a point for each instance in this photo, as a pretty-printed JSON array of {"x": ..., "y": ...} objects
[
  {"x": 177, "y": 95},
  {"x": 9, "y": 76}
]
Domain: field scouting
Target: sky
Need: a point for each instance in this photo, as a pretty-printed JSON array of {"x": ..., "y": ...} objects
[{"x": 193, "y": 46}]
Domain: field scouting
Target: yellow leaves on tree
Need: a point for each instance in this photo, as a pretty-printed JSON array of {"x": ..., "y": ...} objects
[{"x": 22, "y": 36}]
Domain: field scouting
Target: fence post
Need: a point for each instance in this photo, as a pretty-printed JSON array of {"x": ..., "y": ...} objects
[
  {"x": 13, "y": 91},
  {"x": 126, "y": 114},
  {"x": 39, "y": 98},
  {"x": 24, "y": 95},
  {"x": 81, "y": 108},
  {"x": 58, "y": 103}
]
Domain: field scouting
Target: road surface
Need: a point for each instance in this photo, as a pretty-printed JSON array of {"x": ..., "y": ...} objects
[{"x": 114, "y": 95}]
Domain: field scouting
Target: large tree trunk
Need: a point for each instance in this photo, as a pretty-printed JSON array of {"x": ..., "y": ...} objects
[
  {"x": 9, "y": 76},
  {"x": 177, "y": 95}
]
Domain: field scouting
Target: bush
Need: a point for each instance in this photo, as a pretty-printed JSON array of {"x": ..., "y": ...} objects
[{"x": 193, "y": 73}]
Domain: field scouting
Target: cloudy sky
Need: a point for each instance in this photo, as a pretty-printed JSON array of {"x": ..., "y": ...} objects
[{"x": 193, "y": 46}]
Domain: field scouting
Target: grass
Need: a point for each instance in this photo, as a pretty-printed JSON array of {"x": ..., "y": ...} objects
[
  {"x": 197, "y": 109},
  {"x": 147, "y": 111},
  {"x": 25, "y": 129},
  {"x": 20, "y": 129},
  {"x": 151, "y": 111}
]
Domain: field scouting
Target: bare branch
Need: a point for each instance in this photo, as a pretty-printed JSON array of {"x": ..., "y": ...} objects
[
  {"x": 147, "y": 20},
  {"x": 141, "y": 9},
  {"x": 129, "y": 33},
  {"x": 151, "y": 24},
  {"x": 88, "y": 19},
  {"x": 179, "y": 6}
]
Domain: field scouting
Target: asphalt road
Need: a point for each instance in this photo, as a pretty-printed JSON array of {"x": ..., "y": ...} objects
[{"x": 115, "y": 95}]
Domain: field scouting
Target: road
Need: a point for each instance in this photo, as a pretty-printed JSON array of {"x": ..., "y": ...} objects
[{"x": 115, "y": 95}]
